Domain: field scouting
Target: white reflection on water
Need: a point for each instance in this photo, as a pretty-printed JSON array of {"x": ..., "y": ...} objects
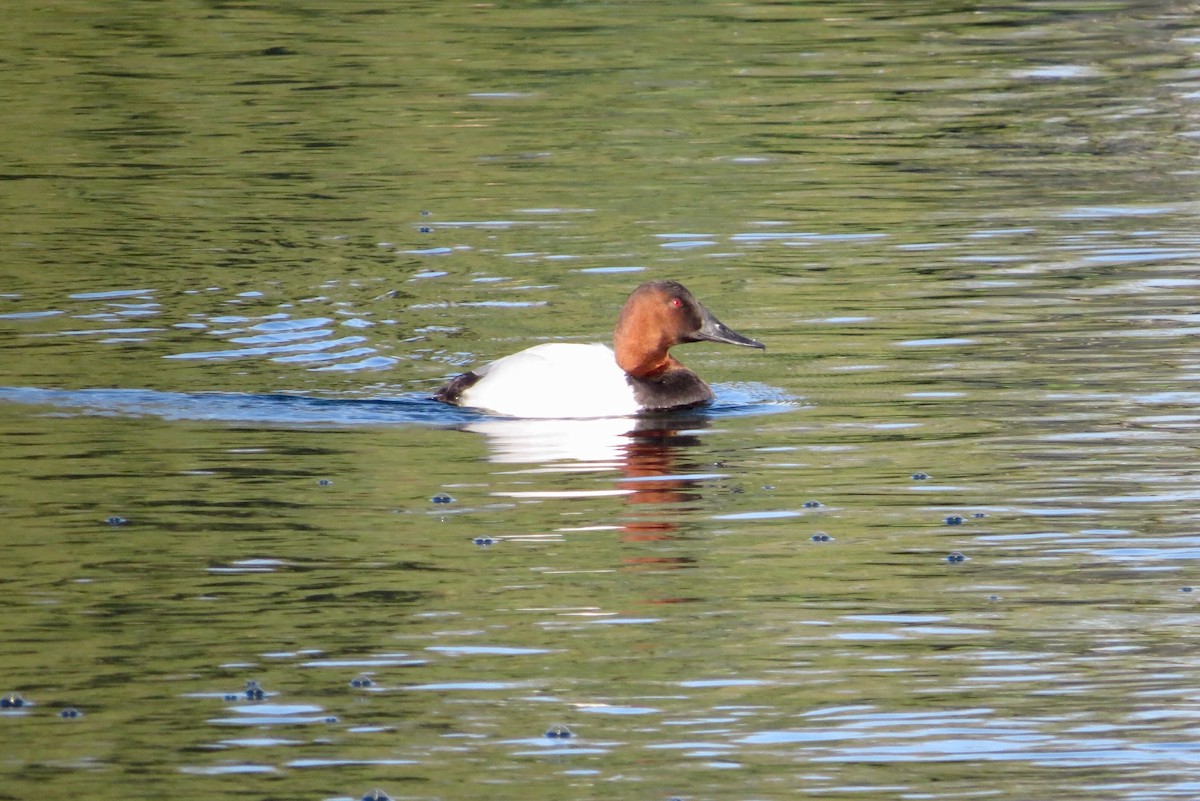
[
  {"x": 603, "y": 443},
  {"x": 600, "y": 441}
]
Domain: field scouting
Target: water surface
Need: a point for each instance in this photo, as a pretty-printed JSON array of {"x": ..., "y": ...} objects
[{"x": 938, "y": 541}]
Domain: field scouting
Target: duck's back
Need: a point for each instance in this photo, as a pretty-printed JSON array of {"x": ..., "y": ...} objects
[{"x": 554, "y": 380}]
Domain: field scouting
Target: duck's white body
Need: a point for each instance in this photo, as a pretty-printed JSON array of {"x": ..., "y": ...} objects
[{"x": 554, "y": 380}]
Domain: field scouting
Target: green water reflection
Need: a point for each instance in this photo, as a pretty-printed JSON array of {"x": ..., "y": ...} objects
[{"x": 966, "y": 234}]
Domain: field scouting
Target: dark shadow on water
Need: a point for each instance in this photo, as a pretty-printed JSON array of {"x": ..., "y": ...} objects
[
  {"x": 273, "y": 408},
  {"x": 287, "y": 409}
]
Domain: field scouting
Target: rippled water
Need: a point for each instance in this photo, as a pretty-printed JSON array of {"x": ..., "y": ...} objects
[{"x": 938, "y": 541}]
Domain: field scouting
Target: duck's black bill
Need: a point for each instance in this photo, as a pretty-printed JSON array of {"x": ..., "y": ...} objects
[{"x": 713, "y": 330}]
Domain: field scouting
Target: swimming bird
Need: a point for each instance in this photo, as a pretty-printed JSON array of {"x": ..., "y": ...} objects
[{"x": 568, "y": 380}]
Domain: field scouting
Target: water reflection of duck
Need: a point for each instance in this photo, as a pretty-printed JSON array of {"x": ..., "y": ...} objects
[
  {"x": 566, "y": 380},
  {"x": 655, "y": 480},
  {"x": 603, "y": 443}
]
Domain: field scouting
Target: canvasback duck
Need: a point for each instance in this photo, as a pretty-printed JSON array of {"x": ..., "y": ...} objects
[{"x": 565, "y": 380}]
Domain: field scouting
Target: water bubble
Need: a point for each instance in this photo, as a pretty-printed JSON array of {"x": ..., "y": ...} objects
[
  {"x": 12, "y": 701},
  {"x": 821, "y": 536},
  {"x": 813, "y": 504},
  {"x": 920, "y": 476},
  {"x": 70, "y": 713},
  {"x": 955, "y": 557},
  {"x": 953, "y": 520},
  {"x": 362, "y": 681},
  {"x": 116, "y": 521},
  {"x": 442, "y": 497},
  {"x": 558, "y": 732}
]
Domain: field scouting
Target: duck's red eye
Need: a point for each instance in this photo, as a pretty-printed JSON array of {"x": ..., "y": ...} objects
[{"x": 676, "y": 303}]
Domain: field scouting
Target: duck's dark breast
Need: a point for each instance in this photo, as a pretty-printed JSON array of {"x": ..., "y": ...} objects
[{"x": 672, "y": 389}]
